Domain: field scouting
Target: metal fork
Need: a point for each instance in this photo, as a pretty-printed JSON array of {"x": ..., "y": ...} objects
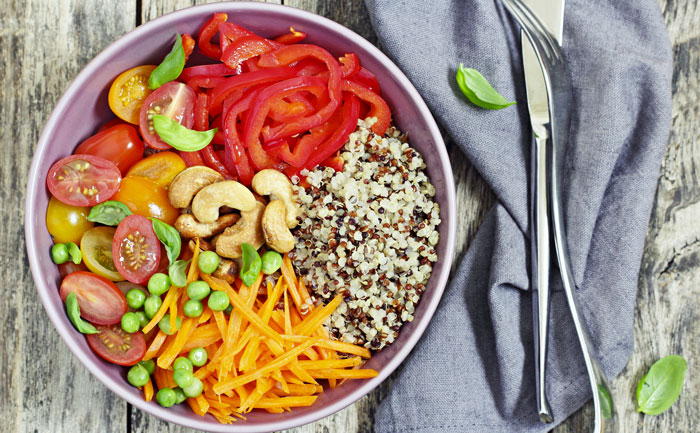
[{"x": 557, "y": 78}]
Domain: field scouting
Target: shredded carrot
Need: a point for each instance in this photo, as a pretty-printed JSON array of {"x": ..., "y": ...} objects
[
  {"x": 339, "y": 346},
  {"x": 162, "y": 310},
  {"x": 308, "y": 325},
  {"x": 199, "y": 405},
  {"x": 278, "y": 402},
  {"x": 288, "y": 274},
  {"x": 343, "y": 374},
  {"x": 148, "y": 390},
  {"x": 171, "y": 352},
  {"x": 157, "y": 342}
]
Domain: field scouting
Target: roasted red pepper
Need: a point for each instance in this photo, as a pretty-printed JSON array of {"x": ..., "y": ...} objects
[
  {"x": 208, "y": 31},
  {"x": 292, "y": 37},
  {"x": 378, "y": 107}
]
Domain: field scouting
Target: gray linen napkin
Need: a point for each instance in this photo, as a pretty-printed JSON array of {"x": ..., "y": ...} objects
[{"x": 473, "y": 369}]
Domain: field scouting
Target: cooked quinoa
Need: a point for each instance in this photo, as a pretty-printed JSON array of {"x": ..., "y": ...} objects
[{"x": 369, "y": 234}]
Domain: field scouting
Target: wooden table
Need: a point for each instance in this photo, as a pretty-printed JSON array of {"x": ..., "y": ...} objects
[{"x": 43, "y": 388}]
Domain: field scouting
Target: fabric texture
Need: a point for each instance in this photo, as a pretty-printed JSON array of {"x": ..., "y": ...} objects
[{"x": 473, "y": 370}]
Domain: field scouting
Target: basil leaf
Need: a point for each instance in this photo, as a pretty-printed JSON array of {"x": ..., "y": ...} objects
[
  {"x": 73, "y": 311},
  {"x": 171, "y": 66},
  {"x": 109, "y": 213},
  {"x": 605, "y": 402},
  {"x": 179, "y": 137},
  {"x": 170, "y": 238},
  {"x": 74, "y": 252},
  {"x": 479, "y": 91},
  {"x": 661, "y": 386},
  {"x": 177, "y": 274},
  {"x": 252, "y": 264}
]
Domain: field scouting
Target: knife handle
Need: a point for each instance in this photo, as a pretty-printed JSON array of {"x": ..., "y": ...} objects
[{"x": 540, "y": 254}]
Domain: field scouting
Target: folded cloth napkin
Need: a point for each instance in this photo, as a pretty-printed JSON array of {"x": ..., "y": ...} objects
[{"x": 473, "y": 370}]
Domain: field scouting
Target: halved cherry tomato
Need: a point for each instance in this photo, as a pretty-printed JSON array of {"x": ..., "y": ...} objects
[
  {"x": 66, "y": 223},
  {"x": 173, "y": 99},
  {"x": 136, "y": 249},
  {"x": 96, "y": 249},
  {"x": 160, "y": 167},
  {"x": 117, "y": 346},
  {"x": 83, "y": 180},
  {"x": 128, "y": 92},
  {"x": 120, "y": 144},
  {"x": 144, "y": 197},
  {"x": 100, "y": 301}
]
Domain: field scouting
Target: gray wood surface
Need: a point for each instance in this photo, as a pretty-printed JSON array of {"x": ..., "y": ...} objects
[{"x": 43, "y": 388}]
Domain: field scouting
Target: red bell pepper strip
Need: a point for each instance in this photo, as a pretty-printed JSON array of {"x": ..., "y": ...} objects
[
  {"x": 229, "y": 32},
  {"x": 201, "y": 114},
  {"x": 215, "y": 70},
  {"x": 251, "y": 65},
  {"x": 367, "y": 79},
  {"x": 208, "y": 31},
  {"x": 335, "y": 162},
  {"x": 292, "y": 37},
  {"x": 378, "y": 107},
  {"x": 191, "y": 158},
  {"x": 219, "y": 136},
  {"x": 351, "y": 112},
  {"x": 236, "y": 158},
  {"x": 308, "y": 143},
  {"x": 211, "y": 159},
  {"x": 310, "y": 67},
  {"x": 244, "y": 48},
  {"x": 201, "y": 82},
  {"x": 351, "y": 65},
  {"x": 187, "y": 45}
]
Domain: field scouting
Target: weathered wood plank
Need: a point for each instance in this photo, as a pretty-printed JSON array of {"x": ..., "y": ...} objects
[{"x": 44, "y": 44}]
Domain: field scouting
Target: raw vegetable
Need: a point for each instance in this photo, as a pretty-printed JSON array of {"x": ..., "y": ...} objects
[
  {"x": 478, "y": 90},
  {"x": 59, "y": 253},
  {"x": 117, "y": 346},
  {"x": 271, "y": 262},
  {"x": 166, "y": 397},
  {"x": 218, "y": 301},
  {"x": 170, "y": 238},
  {"x": 136, "y": 249},
  {"x": 73, "y": 311},
  {"x": 208, "y": 261},
  {"x": 171, "y": 66},
  {"x": 138, "y": 375},
  {"x": 130, "y": 322},
  {"x": 198, "y": 290},
  {"x": 158, "y": 284},
  {"x": 146, "y": 198},
  {"x": 119, "y": 144},
  {"x": 252, "y": 264},
  {"x": 73, "y": 252},
  {"x": 100, "y": 301},
  {"x": 176, "y": 271},
  {"x": 198, "y": 356},
  {"x": 175, "y": 100},
  {"x": 135, "y": 298},
  {"x": 180, "y": 137},
  {"x": 662, "y": 385},
  {"x": 152, "y": 305},
  {"x": 83, "y": 180},
  {"x": 96, "y": 248},
  {"x": 128, "y": 92},
  {"x": 66, "y": 223},
  {"x": 109, "y": 213},
  {"x": 161, "y": 167}
]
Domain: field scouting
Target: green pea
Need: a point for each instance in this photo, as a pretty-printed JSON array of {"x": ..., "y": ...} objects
[
  {"x": 179, "y": 395},
  {"x": 135, "y": 298},
  {"x": 228, "y": 309},
  {"x": 158, "y": 284},
  {"x": 193, "y": 308},
  {"x": 137, "y": 376},
  {"x": 198, "y": 290},
  {"x": 183, "y": 378},
  {"x": 218, "y": 301},
  {"x": 182, "y": 363},
  {"x": 143, "y": 320},
  {"x": 130, "y": 322},
  {"x": 59, "y": 253},
  {"x": 166, "y": 397},
  {"x": 198, "y": 356},
  {"x": 164, "y": 324},
  {"x": 208, "y": 261},
  {"x": 271, "y": 262},
  {"x": 149, "y": 365},
  {"x": 152, "y": 305},
  {"x": 195, "y": 389}
]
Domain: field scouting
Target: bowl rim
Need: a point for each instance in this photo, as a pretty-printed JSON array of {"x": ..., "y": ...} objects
[{"x": 33, "y": 186}]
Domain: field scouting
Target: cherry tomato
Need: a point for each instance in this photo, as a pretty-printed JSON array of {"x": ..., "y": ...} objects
[
  {"x": 83, "y": 180},
  {"x": 69, "y": 267},
  {"x": 144, "y": 197},
  {"x": 67, "y": 223},
  {"x": 117, "y": 346},
  {"x": 160, "y": 167},
  {"x": 114, "y": 122},
  {"x": 173, "y": 99},
  {"x": 96, "y": 249},
  {"x": 100, "y": 301},
  {"x": 128, "y": 92},
  {"x": 120, "y": 144},
  {"x": 136, "y": 249}
]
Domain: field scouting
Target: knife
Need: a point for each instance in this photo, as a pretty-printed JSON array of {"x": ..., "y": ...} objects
[{"x": 551, "y": 13}]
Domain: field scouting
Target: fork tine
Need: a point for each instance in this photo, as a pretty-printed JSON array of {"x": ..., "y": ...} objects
[{"x": 538, "y": 35}]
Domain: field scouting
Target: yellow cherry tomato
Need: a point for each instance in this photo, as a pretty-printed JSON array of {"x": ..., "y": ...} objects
[
  {"x": 96, "y": 249},
  {"x": 160, "y": 167},
  {"x": 128, "y": 92},
  {"x": 67, "y": 223},
  {"x": 144, "y": 197}
]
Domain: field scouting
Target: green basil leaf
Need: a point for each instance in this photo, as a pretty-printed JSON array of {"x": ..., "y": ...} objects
[
  {"x": 170, "y": 238},
  {"x": 179, "y": 137},
  {"x": 252, "y": 264},
  {"x": 177, "y": 273},
  {"x": 661, "y": 386},
  {"x": 109, "y": 213},
  {"x": 73, "y": 311},
  {"x": 171, "y": 66},
  {"x": 479, "y": 91},
  {"x": 74, "y": 252},
  {"x": 605, "y": 402}
]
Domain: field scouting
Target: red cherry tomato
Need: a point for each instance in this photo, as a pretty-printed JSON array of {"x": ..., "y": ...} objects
[
  {"x": 114, "y": 122},
  {"x": 64, "y": 269},
  {"x": 83, "y": 180},
  {"x": 175, "y": 100},
  {"x": 99, "y": 299},
  {"x": 120, "y": 144},
  {"x": 136, "y": 249},
  {"x": 117, "y": 346}
]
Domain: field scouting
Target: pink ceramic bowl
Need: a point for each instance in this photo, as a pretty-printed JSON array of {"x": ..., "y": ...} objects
[{"x": 83, "y": 108}]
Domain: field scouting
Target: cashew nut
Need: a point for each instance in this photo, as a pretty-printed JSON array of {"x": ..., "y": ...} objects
[
  {"x": 277, "y": 234},
  {"x": 209, "y": 199},
  {"x": 248, "y": 229},
  {"x": 189, "y": 227},
  {"x": 278, "y": 186},
  {"x": 188, "y": 182}
]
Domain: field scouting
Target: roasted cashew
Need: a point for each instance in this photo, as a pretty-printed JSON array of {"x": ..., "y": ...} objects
[
  {"x": 277, "y": 234},
  {"x": 248, "y": 229},
  {"x": 209, "y": 199},
  {"x": 188, "y": 182},
  {"x": 278, "y": 186},
  {"x": 189, "y": 227}
]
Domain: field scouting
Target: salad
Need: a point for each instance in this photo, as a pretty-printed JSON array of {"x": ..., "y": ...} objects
[{"x": 246, "y": 232}]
